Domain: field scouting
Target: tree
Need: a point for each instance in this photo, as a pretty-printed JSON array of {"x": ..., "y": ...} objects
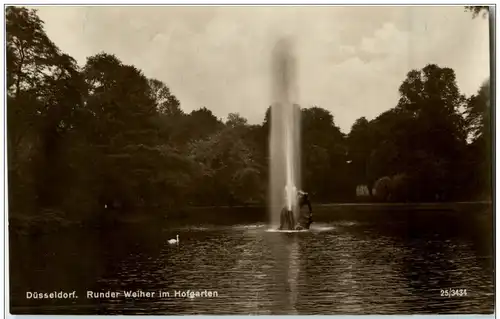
[
  {"x": 422, "y": 138},
  {"x": 478, "y": 113},
  {"x": 230, "y": 173},
  {"x": 44, "y": 96},
  {"x": 31, "y": 66},
  {"x": 105, "y": 135},
  {"x": 324, "y": 155},
  {"x": 477, "y": 10},
  {"x": 382, "y": 189},
  {"x": 121, "y": 130},
  {"x": 166, "y": 102},
  {"x": 478, "y": 117},
  {"x": 199, "y": 124},
  {"x": 235, "y": 120},
  {"x": 359, "y": 143},
  {"x": 170, "y": 116},
  {"x": 31, "y": 54},
  {"x": 432, "y": 97},
  {"x": 384, "y": 160}
]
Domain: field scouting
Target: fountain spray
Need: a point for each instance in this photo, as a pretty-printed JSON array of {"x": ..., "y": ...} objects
[{"x": 284, "y": 141}]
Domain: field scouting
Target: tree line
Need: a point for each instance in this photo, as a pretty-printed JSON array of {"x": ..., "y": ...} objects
[{"x": 105, "y": 135}]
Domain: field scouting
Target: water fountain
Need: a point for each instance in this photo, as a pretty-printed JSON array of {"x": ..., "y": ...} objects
[{"x": 284, "y": 142}]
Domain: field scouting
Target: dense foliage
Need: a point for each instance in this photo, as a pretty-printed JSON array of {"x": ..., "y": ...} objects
[{"x": 105, "y": 135}]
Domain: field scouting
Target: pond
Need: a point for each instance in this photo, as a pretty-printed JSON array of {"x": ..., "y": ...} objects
[{"x": 384, "y": 262}]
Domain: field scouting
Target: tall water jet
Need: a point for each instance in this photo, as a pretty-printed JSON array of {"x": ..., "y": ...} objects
[{"x": 284, "y": 139}]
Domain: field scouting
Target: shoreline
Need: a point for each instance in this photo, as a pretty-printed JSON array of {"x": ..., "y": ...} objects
[
  {"x": 356, "y": 204},
  {"x": 43, "y": 224}
]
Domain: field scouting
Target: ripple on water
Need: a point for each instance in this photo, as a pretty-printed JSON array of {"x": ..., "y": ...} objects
[
  {"x": 331, "y": 269},
  {"x": 265, "y": 227},
  {"x": 219, "y": 227},
  {"x": 274, "y": 230},
  {"x": 252, "y": 226},
  {"x": 314, "y": 228},
  {"x": 194, "y": 228}
]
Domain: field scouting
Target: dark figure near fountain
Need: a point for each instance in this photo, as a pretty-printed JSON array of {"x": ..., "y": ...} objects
[{"x": 304, "y": 221}]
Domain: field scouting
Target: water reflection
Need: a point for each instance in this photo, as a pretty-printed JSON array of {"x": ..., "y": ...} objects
[{"x": 344, "y": 267}]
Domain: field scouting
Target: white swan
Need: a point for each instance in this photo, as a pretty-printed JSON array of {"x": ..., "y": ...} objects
[{"x": 174, "y": 241}]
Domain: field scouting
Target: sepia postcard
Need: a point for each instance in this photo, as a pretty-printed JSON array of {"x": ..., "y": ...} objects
[{"x": 250, "y": 160}]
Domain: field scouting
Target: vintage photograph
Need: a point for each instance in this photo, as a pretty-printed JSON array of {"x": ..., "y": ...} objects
[{"x": 250, "y": 160}]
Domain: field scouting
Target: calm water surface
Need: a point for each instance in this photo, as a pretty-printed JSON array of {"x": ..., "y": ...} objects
[{"x": 384, "y": 264}]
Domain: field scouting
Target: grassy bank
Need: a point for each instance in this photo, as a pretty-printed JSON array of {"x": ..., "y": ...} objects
[
  {"x": 365, "y": 206},
  {"x": 409, "y": 206},
  {"x": 51, "y": 221},
  {"x": 54, "y": 221}
]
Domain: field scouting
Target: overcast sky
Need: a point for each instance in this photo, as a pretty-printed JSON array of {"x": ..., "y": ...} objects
[{"x": 350, "y": 60}]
